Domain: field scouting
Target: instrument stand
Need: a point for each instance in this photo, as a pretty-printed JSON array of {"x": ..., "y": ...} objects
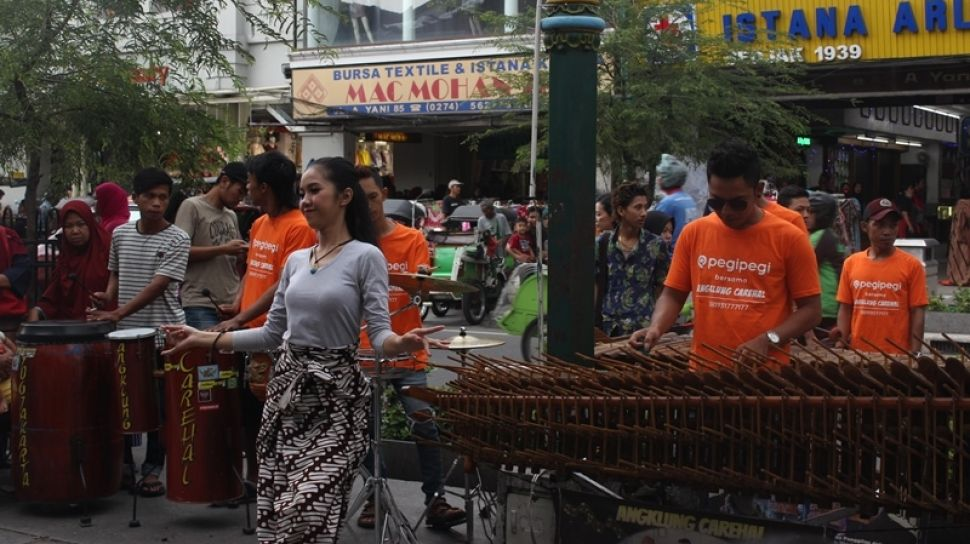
[
  {"x": 85, "y": 521},
  {"x": 134, "y": 491},
  {"x": 390, "y": 524},
  {"x": 248, "y": 529},
  {"x": 469, "y": 496},
  {"x": 470, "y": 493}
]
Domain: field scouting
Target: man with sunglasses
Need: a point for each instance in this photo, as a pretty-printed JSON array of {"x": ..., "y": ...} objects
[{"x": 744, "y": 268}]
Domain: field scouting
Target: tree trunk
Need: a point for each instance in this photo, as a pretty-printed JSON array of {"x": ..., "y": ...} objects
[{"x": 30, "y": 196}]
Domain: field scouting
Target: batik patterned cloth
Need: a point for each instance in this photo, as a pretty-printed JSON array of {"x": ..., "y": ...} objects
[
  {"x": 958, "y": 259},
  {"x": 311, "y": 441},
  {"x": 633, "y": 282}
]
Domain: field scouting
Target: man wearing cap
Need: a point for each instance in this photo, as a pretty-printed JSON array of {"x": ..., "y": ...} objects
[
  {"x": 882, "y": 291},
  {"x": 452, "y": 200},
  {"x": 671, "y": 176},
  {"x": 212, "y": 277}
]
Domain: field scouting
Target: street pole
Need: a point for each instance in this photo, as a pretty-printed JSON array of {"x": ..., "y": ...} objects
[
  {"x": 533, "y": 158},
  {"x": 572, "y": 36}
]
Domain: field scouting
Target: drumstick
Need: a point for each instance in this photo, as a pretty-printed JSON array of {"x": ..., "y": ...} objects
[
  {"x": 208, "y": 294},
  {"x": 94, "y": 301}
]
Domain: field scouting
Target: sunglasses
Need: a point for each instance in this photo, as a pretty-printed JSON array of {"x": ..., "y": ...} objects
[{"x": 738, "y": 204}]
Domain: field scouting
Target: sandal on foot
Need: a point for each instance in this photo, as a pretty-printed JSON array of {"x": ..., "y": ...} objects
[{"x": 151, "y": 488}]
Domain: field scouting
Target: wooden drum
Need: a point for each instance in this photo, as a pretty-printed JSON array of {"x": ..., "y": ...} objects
[
  {"x": 134, "y": 369},
  {"x": 203, "y": 435},
  {"x": 66, "y": 441}
]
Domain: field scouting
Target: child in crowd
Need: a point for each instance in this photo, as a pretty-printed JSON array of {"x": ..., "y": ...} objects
[{"x": 520, "y": 244}]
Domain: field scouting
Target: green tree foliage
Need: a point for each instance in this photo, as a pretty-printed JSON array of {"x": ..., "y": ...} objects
[
  {"x": 105, "y": 87},
  {"x": 665, "y": 88}
]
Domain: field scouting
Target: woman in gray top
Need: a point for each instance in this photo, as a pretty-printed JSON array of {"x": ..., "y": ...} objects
[{"x": 314, "y": 426}]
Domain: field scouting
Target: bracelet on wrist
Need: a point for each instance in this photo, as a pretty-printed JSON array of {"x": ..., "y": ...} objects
[{"x": 216, "y": 341}]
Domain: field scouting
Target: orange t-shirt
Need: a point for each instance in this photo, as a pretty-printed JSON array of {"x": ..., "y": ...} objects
[
  {"x": 882, "y": 293},
  {"x": 271, "y": 240},
  {"x": 743, "y": 282},
  {"x": 782, "y": 212},
  {"x": 405, "y": 249}
]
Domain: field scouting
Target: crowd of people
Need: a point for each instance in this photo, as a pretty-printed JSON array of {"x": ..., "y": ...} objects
[
  {"x": 776, "y": 271},
  {"x": 315, "y": 269}
]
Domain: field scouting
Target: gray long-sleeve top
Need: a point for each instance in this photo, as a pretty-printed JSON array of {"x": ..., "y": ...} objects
[{"x": 325, "y": 309}]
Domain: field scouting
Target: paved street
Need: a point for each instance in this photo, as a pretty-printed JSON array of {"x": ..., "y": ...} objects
[{"x": 166, "y": 521}]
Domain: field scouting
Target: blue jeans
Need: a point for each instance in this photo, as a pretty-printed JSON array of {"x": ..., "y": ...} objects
[
  {"x": 429, "y": 457},
  {"x": 201, "y": 317}
]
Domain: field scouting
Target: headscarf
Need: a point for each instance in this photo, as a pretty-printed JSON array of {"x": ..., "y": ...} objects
[
  {"x": 79, "y": 271},
  {"x": 825, "y": 208},
  {"x": 671, "y": 171},
  {"x": 656, "y": 221},
  {"x": 112, "y": 205}
]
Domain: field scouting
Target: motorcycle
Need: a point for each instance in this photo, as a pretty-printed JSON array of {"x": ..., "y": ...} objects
[
  {"x": 482, "y": 268},
  {"x": 521, "y": 319}
]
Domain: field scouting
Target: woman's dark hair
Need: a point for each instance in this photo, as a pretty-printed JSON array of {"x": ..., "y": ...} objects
[
  {"x": 656, "y": 222},
  {"x": 624, "y": 194},
  {"x": 340, "y": 172},
  {"x": 734, "y": 159},
  {"x": 276, "y": 170},
  {"x": 606, "y": 201},
  {"x": 174, "y": 203},
  {"x": 148, "y": 178}
]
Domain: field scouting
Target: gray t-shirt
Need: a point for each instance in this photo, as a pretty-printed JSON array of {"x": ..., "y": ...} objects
[
  {"x": 325, "y": 309},
  {"x": 498, "y": 225},
  {"x": 208, "y": 226},
  {"x": 137, "y": 258}
]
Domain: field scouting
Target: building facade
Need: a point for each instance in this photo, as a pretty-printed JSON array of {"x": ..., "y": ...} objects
[
  {"x": 410, "y": 87},
  {"x": 892, "y": 82}
]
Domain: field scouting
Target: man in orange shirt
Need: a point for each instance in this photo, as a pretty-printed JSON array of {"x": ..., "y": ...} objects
[
  {"x": 782, "y": 212},
  {"x": 744, "y": 268},
  {"x": 281, "y": 230},
  {"x": 882, "y": 292},
  {"x": 406, "y": 251}
]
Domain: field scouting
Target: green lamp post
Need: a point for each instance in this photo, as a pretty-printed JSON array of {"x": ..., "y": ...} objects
[{"x": 572, "y": 35}]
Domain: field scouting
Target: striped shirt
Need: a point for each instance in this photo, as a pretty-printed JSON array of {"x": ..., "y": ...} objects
[{"x": 137, "y": 258}]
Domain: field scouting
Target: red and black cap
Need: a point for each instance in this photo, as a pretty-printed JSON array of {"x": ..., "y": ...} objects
[{"x": 879, "y": 208}]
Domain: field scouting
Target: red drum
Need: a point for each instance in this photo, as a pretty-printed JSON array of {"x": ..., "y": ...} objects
[
  {"x": 65, "y": 440},
  {"x": 203, "y": 436},
  {"x": 134, "y": 374}
]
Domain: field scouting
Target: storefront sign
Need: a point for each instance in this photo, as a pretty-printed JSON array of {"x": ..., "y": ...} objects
[
  {"x": 453, "y": 86},
  {"x": 393, "y": 137},
  {"x": 840, "y": 30}
]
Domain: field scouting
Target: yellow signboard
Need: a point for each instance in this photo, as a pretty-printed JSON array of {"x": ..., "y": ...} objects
[
  {"x": 819, "y": 31},
  {"x": 448, "y": 86}
]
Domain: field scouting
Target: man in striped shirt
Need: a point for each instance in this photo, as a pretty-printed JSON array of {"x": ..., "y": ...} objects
[{"x": 147, "y": 262}]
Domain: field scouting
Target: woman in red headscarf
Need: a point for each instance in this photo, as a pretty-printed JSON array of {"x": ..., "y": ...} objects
[
  {"x": 81, "y": 269},
  {"x": 112, "y": 206}
]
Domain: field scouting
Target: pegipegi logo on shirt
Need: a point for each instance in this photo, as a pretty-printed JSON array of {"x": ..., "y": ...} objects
[
  {"x": 397, "y": 268},
  {"x": 267, "y": 246},
  {"x": 733, "y": 265},
  {"x": 877, "y": 285}
]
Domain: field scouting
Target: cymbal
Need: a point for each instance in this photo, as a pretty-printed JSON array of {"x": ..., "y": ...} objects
[
  {"x": 464, "y": 342},
  {"x": 417, "y": 284}
]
